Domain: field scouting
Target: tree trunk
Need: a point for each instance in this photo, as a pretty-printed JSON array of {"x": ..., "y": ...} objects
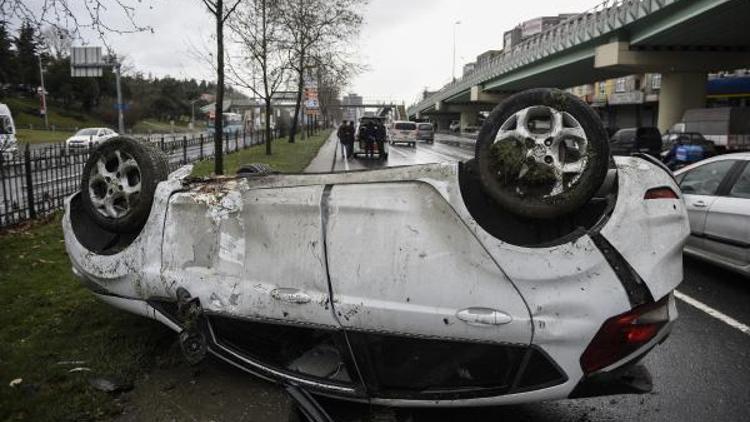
[
  {"x": 268, "y": 126},
  {"x": 298, "y": 103},
  {"x": 219, "y": 110}
]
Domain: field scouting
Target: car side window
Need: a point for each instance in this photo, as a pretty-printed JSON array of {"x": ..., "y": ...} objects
[
  {"x": 705, "y": 179},
  {"x": 741, "y": 188}
]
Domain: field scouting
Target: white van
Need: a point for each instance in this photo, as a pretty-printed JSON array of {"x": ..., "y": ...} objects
[
  {"x": 403, "y": 132},
  {"x": 8, "y": 144}
]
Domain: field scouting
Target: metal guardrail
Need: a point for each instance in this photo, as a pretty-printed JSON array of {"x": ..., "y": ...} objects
[
  {"x": 36, "y": 181},
  {"x": 599, "y": 21}
]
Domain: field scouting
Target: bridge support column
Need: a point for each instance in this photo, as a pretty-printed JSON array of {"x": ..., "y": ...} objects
[
  {"x": 679, "y": 92},
  {"x": 469, "y": 117},
  {"x": 442, "y": 123}
]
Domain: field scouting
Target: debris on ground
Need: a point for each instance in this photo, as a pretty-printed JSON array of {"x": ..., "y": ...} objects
[
  {"x": 15, "y": 382},
  {"x": 110, "y": 384}
]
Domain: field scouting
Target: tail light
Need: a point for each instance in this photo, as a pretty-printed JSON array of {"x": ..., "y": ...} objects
[
  {"x": 623, "y": 334},
  {"x": 660, "y": 193}
]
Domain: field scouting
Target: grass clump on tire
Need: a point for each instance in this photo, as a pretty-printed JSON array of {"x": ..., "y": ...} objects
[{"x": 542, "y": 153}]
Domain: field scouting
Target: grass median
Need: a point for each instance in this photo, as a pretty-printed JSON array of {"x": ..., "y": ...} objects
[
  {"x": 286, "y": 157},
  {"x": 55, "y": 337},
  {"x": 51, "y": 325},
  {"x": 33, "y": 136}
]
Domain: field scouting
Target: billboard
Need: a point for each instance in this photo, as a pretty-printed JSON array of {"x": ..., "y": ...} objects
[{"x": 86, "y": 62}]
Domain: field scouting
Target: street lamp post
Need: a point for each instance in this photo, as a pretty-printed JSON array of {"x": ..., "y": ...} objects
[
  {"x": 192, "y": 113},
  {"x": 455, "y": 24},
  {"x": 43, "y": 93}
]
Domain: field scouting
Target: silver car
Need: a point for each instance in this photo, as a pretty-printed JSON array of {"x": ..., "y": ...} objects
[{"x": 717, "y": 197}]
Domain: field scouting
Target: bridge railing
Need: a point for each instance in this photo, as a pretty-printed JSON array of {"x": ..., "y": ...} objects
[{"x": 603, "y": 19}]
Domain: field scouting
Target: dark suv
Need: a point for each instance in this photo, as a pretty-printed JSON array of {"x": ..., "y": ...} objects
[{"x": 631, "y": 140}]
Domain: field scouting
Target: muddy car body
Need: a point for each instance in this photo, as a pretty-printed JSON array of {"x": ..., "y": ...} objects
[
  {"x": 274, "y": 252},
  {"x": 452, "y": 301}
]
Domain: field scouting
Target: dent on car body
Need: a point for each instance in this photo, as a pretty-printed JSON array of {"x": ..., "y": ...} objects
[{"x": 278, "y": 249}]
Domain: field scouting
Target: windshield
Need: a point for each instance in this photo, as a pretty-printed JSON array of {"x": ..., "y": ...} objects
[
  {"x": 405, "y": 126},
  {"x": 87, "y": 132},
  {"x": 6, "y": 127}
]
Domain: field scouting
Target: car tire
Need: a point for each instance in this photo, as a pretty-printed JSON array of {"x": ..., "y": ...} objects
[
  {"x": 255, "y": 169},
  {"x": 525, "y": 167},
  {"x": 119, "y": 182}
]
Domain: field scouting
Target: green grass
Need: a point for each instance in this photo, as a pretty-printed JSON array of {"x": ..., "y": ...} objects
[
  {"x": 26, "y": 113},
  {"x": 41, "y": 136},
  {"x": 47, "y": 317},
  {"x": 286, "y": 157}
]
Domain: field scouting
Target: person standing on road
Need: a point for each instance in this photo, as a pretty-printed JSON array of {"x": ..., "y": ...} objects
[
  {"x": 368, "y": 131},
  {"x": 380, "y": 138},
  {"x": 341, "y": 134},
  {"x": 349, "y": 139}
]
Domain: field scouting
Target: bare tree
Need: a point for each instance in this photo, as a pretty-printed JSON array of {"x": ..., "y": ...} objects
[
  {"x": 264, "y": 65},
  {"x": 333, "y": 71},
  {"x": 311, "y": 24},
  {"x": 73, "y": 16},
  {"x": 57, "y": 41},
  {"x": 221, "y": 13}
]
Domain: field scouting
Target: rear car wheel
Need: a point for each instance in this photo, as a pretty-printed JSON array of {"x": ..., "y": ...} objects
[
  {"x": 119, "y": 181},
  {"x": 542, "y": 153}
]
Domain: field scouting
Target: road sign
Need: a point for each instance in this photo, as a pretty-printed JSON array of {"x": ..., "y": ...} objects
[{"x": 86, "y": 62}]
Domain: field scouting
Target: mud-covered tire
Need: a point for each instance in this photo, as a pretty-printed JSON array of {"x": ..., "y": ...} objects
[
  {"x": 255, "y": 169},
  {"x": 119, "y": 182},
  {"x": 508, "y": 188}
]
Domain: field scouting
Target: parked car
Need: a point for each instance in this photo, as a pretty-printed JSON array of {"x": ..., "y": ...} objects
[
  {"x": 645, "y": 140},
  {"x": 717, "y": 197},
  {"x": 403, "y": 132},
  {"x": 90, "y": 137},
  {"x": 8, "y": 142},
  {"x": 682, "y": 149},
  {"x": 478, "y": 283},
  {"x": 454, "y": 126},
  {"x": 425, "y": 132}
]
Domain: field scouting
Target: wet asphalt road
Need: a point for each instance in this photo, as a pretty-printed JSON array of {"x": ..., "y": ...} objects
[{"x": 701, "y": 373}]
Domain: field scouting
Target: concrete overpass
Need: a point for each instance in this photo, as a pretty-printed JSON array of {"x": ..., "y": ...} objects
[{"x": 681, "y": 39}]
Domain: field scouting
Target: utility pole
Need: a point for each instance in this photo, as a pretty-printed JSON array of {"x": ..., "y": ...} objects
[
  {"x": 120, "y": 105},
  {"x": 192, "y": 113},
  {"x": 43, "y": 93},
  {"x": 455, "y": 24}
]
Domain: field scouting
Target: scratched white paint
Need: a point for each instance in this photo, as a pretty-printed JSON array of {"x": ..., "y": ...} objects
[{"x": 234, "y": 242}]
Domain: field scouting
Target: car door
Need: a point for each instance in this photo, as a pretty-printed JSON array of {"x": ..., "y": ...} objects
[
  {"x": 427, "y": 311},
  {"x": 727, "y": 231},
  {"x": 700, "y": 186},
  {"x": 255, "y": 259}
]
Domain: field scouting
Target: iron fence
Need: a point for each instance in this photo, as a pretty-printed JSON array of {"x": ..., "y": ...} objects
[{"x": 36, "y": 181}]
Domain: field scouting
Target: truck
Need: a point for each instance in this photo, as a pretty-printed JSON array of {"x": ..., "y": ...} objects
[{"x": 727, "y": 127}]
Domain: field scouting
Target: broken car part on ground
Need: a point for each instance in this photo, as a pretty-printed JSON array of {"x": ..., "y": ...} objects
[{"x": 429, "y": 285}]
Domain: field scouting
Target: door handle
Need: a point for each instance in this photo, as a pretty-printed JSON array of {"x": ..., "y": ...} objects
[
  {"x": 483, "y": 317},
  {"x": 288, "y": 295},
  {"x": 699, "y": 204}
]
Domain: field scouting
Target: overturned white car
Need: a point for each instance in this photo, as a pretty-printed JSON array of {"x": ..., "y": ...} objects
[{"x": 539, "y": 270}]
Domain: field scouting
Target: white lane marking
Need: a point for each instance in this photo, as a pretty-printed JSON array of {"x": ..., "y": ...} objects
[{"x": 726, "y": 319}]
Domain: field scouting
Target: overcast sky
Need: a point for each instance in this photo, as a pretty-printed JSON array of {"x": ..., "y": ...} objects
[{"x": 406, "y": 44}]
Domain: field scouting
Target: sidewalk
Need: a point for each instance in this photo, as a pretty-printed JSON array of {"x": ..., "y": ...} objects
[{"x": 326, "y": 159}]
